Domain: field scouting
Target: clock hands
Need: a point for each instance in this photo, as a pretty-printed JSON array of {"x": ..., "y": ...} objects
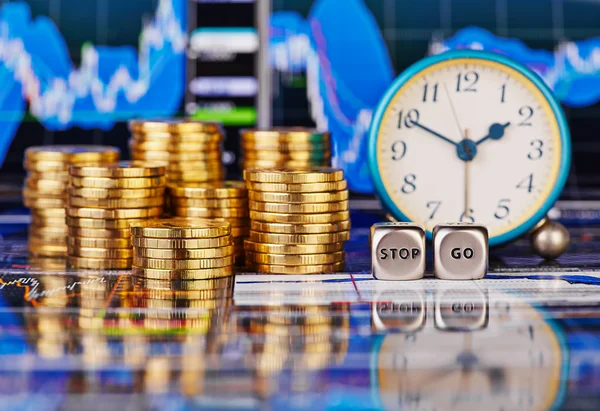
[
  {"x": 496, "y": 132},
  {"x": 435, "y": 133}
]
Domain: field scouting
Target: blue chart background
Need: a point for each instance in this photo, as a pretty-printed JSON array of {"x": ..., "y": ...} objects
[
  {"x": 142, "y": 76},
  {"x": 350, "y": 54}
]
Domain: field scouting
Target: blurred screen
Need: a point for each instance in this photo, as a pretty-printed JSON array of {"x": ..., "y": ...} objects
[
  {"x": 75, "y": 71},
  {"x": 333, "y": 61}
]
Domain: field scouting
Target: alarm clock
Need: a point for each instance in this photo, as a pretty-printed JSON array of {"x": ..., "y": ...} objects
[{"x": 471, "y": 136}]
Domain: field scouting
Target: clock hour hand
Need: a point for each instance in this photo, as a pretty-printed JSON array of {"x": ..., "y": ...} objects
[
  {"x": 435, "y": 133},
  {"x": 496, "y": 132}
]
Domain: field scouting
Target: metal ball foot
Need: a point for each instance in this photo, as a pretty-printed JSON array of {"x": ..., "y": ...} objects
[{"x": 550, "y": 239}]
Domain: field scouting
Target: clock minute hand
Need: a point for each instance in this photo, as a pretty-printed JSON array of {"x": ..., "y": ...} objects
[
  {"x": 435, "y": 133},
  {"x": 496, "y": 132}
]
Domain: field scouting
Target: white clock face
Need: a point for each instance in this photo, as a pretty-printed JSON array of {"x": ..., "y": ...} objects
[{"x": 469, "y": 140}]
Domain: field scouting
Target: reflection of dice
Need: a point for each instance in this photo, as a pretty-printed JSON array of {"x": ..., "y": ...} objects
[
  {"x": 398, "y": 251},
  {"x": 460, "y": 251},
  {"x": 464, "y": 310}
]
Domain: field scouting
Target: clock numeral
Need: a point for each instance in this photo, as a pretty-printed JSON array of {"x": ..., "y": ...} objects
[
  {"x": 399, "y": 150},
  {"x": 527, "y": 113},
  {"x": 467, "y": 217},
  {"x": 425, "y": 92},
  {"x": 407, "y": 121},
  {"x": 503, "y": 210},
  {"x": 435, "y": 205},
  {"x": 470, "y": 79},
  {"x": 409, "y": 184},
  {"x": 537, "y": 152},
  {"x": 503, "y": 88},
  {"x": 527, "y": 183}
]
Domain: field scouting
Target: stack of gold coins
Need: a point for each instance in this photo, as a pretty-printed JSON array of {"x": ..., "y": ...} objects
[
  {"x": 182, "y": 254},
  {"x": 191, "y": 150},
  {"x": 299, "y": 220},
  {"x": 102, "y": 203},
  {"x": 45, "y": 191},
  {"x": 285, "y": 147},
  {"x": 227, "y": 200}
]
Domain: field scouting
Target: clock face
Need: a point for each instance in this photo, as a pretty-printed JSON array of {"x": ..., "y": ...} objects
[{"x": 470, "y": 140}]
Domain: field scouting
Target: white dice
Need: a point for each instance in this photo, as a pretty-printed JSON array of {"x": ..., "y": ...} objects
[
  {"x": 460, "y": 251},
  {"x": 398, "y": 251}
]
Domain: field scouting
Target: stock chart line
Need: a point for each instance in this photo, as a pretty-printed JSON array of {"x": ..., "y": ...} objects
[
  {"x": 347, "y": 66},
  {"x": 112, "y": 83}
]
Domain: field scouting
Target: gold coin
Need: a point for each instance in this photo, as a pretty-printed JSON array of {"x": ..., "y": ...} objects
[
  {"x": 298, "y": 269},
  {"x": 184, "y": 254},
  {"x": 42, "y": 185},
  {"x": 206, "y": 139},
  {"x": 300, "y": 218},
  {"x": 110, "y": 253},
  {"x": 304, "y": 208},
  {"x": 209, "y": 202},
  {"x": 293, "y": 248},
  {"x": 277, "y": 155},
  {"x": 283, "y": 164},
  {"x": 47, "y": 250},
  {"x": 196, "y": 176},
  {"x": 284, "y": 146},
  {"x": 45, "y": 166},
  {"x": 209, "y": 294},
  {"x": 100, "y": 223},
  {"x": 49, "y": 212},
  {"x": 30, "y": 194},
  {"x": 300, "y": 228},
  {"x": 198, "y": 212},
  {"x": 197, "y": 264},
  {"x": 240, "y": 231},
  {"x": 98, "y": 263},
  {"x": 99, "y": 232},
  {"x": 188, "y": 166},
  {"x": 112, "y": 203},
  {"x": 294, "y": 260},
  {"x": 175, "y": 157},
  {"x": 221, "y": 189},
  {"x": 48, "y": 231},
  {"x": 298, "y": 188},
  {"x": 62, "y": 176},
  {"x": 285, "y": 176},
  {"x": 140, "y": 145},
  {"x": 142, "y": 283},
  {"x": 185, "y": 243},
  {"x": 126, "y": 169},
  {"x": 126, "y": 213},
  {"x": 99, "y": 242},
  {"x": 96, "y": 182},
  {"x": 272, "y": 238},
  {"x": 181, "y": 228},
  {"x": 73, "y": 153},
  {"x": 173, "y": 126},
  {"x": 43, "y": 202},
  {"x": 188, "y": 306},
  {"x": 116, "y": 192},
  {"x": 291, "y": 134},
  {"x": 51, "y": 221},
  {"x": 330, "y": 197},
  {"x": 187, "y": 275}
]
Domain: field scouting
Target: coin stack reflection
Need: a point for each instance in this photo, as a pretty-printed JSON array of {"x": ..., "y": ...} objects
[
  {"x": 191, "y": 150},
  {"x": 102, "y": 203},
  {"x": 285, "y": 147},
  {"x": 299, "y": 220},
  {"x": 45, "y": 192},
  {"x": 227, "y": 200}
]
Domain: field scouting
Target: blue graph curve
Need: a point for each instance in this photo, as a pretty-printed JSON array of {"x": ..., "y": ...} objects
[
  {"x": 348, "y": 70},
  {"x": 112, "y": 83}
]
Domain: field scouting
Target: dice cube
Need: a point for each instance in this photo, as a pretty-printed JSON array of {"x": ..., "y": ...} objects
[
  {"x": 398, "y": 251},
  {"x": 460, "y": 251}
]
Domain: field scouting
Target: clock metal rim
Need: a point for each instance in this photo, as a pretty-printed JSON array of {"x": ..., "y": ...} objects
[{"x": 565, "y": 139}]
